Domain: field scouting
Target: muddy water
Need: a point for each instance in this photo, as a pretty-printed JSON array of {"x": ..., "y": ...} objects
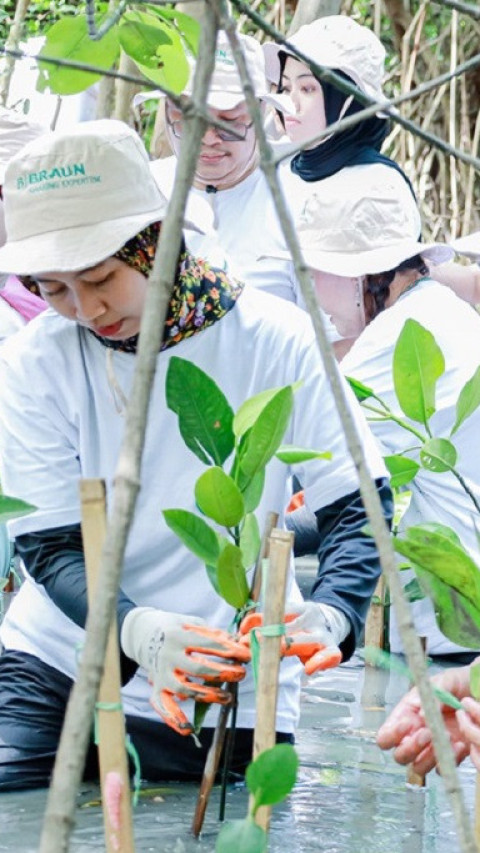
[{"x": 350, "y": 797}]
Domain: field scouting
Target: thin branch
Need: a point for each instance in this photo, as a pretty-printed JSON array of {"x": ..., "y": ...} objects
[
  {"x": 61, "y": 804},
  {"x": 13, "y": 39},
  {"x": 370, "y": 497},
  {"x": 94, "y": 34}
]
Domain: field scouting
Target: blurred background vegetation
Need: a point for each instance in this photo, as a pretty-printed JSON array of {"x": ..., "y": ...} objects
[{"x": 423, "y": 40}]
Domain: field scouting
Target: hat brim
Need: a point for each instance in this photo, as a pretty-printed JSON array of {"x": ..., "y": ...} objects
[
  {"x": 373, "y": 261},
  {"x": 74, "y": 249},
  {"x": 376, "y": 260},
  {"x": 469, "y": 245}
]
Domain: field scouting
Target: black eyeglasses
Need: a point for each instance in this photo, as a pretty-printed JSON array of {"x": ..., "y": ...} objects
[{"x": 238, "y": 133}]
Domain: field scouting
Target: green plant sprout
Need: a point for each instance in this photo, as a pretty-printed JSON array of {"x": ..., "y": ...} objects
[
  {"x": 252, "y": 436},
  {"x": 418, "y": 363},
  {"x": 444, "y": 570},
  {"x": 246, "y": 441}
]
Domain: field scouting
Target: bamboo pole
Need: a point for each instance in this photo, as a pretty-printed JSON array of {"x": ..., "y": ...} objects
[
  {"x": 281, "y": 543},
  {"x": 214, "y": 753},
  {"x": 110, "y": 722},
  {"x": 12, "y": 42},
  {"x": 375, "y": 624}
]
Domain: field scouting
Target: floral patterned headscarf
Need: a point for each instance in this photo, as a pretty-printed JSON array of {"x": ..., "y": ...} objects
[{"x": 201, "y": 295}]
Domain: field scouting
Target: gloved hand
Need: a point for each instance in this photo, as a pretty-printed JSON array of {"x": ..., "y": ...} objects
[
  {"x": 178, "y": 652},
  {"x": 313, "y": 632}
]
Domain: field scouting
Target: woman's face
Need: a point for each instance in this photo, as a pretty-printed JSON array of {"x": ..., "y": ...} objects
[
  {"x": 107, "y": 298},
  {"x": 307, "y": 96}
]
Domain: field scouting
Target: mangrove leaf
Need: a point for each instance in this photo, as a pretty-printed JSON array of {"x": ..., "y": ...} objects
[
  {"x": 195, "y": 533},
  {"x": 291, "y": 455},
  {"x": 204, "y": 413},
  {"x": 68, "y": 39},
  {"x": 241, "y": 836},
  {"x": 438, "y": 455},
  {"x": 231, "y": 576},
  {"x": 219, "y": 497},
  {"x": 265, "y": 435},
  {"x": 468, "y": 400},
  {"x": 156, "y": 48},
  {"x": 250, "y": 540},
  {"x": 272, "y": 775},
  {"x": 417, "y": 364},
  {"x": 13, "y": 508},
  {"x": 401, "y": 469}
]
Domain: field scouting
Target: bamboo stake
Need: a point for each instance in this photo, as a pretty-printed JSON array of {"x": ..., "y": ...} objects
[
  {"x": 413, "y": 778},
  {"x": 375, "y": 624},
  {"x": 281, "y": 543},
  {"x": 215, "y": 751},
  {"x": 114, "y": 777}
]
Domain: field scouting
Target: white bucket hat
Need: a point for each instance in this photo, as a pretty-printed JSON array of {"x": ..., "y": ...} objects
[
  {"x": 339, "y": 43},
  {"x": 226, "y": 89},
  {"x": 73, "y": 199},
  {"x": 358, "y": 223},
  {"x": 15, "y": 132},
  {"x": 469, "y": 245}
]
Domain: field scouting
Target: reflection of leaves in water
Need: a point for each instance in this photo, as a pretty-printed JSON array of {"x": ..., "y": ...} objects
[{"x": 329, "y": 776}]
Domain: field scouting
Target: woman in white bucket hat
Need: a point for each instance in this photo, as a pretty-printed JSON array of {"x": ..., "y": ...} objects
[
  {"x": 83, "y": 213},
  {"x": 355, "y": 53},
  {"x": 368, "y": 237}
]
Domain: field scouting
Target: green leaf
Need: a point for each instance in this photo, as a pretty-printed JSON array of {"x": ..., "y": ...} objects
[
  {"x": 212, "y": 577},
  {"x": 204, "y": 413},
  {"x": 402, "y": 503},
  {"x": 195, "y": 533},
  {"x": 417, "y": 364},
  {"x": 272, "y": 775},
  {"x": 232, "y": 579},
  {"x": 449, "y": 576},
  {"x": 188, "y": 27},
  {"x": 241, "y": 836},
  {"x": 401, "y": 469},
  {"x": 413, "y": 591},
  {"x": 265, "y": 435},
  {"x": 69, "y": 39},
  {"x": 468, "y": 400},
  {"x": 290, "y": 455},
  {"x": 200, "y": 712},
  {"x": 361, "y": 391},
  {"x": 252, "y": 492},
  {"x": 475, "y": 681},
  {"x": 13, "y": 508},
  {"x": 250, "y": 540},
  {"x": 162, "y": 56},
  {"x": 219, "y": 497},
  {"x": 438, "y": 454},
  {"x": 250, "y": 410},
  {"x": 141, "y": 35}
]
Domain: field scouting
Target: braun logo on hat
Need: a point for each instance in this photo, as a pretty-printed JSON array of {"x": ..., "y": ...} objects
[
  {"x": 224, "y": 56},
  {"x": 46, "y": 178}
]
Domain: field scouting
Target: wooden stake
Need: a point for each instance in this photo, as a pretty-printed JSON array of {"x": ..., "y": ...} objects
[
  {"x": 375, "y": 624},
  {"x": 215, "y": 751},
  {"x": 110, "y": 723},
  {"x": 281, "y": 542},
  {"x": 413, "y": 778}
]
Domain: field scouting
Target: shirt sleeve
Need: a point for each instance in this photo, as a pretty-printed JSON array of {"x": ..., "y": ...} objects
[
  {"x": 349, "y": 565},
  {"x": 55, "y": 559}
]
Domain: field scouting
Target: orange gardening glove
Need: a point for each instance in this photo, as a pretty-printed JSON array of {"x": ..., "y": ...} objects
[
  {"x": 296, "y": 501},
  {"x": 308, "y": 636},
  {"x": 180, "y": 655}
]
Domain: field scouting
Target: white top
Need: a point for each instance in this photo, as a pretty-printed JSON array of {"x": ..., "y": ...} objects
[
  {"x": 246, "y": 228},
  {"x": 59, "y": 423},
  {"x": 435, "y": 497}
]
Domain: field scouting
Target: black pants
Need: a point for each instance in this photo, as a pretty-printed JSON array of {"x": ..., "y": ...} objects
[{"x": 33, "y": 698}]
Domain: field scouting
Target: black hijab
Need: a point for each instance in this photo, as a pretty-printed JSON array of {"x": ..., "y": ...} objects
[{"x": 357, "y": 145}]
